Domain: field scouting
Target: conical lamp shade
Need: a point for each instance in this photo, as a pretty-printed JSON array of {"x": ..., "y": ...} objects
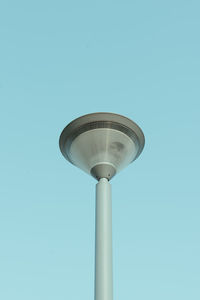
[{"x": 101, "y": 139}]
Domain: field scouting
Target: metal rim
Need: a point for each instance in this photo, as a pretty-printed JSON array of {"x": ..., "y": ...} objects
[{"x": 101, "y": 120}]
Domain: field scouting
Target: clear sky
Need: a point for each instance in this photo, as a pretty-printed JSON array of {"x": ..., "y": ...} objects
[{"x": 63, "y": 59}]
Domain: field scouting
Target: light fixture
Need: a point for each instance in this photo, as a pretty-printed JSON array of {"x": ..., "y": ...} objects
[{"x": 102, "y": 144}]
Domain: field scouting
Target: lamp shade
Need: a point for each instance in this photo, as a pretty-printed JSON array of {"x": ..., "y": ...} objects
[{"x": 101, "y": 144}]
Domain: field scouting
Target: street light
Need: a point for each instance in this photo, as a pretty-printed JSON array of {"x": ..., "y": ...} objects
[{"x": 102, "y": 144}]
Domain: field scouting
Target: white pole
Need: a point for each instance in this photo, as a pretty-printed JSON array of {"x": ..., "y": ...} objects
[{"x": 103, "y": 243}]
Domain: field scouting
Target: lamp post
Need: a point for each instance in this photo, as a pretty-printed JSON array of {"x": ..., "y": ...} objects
[{"x": 102, "y": 144}]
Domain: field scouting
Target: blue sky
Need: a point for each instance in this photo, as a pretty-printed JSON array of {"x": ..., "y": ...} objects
[{"x": 60, "y": 60}]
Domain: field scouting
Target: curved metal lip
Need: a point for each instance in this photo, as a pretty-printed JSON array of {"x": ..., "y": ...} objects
[{"x": 100, "y": 120}]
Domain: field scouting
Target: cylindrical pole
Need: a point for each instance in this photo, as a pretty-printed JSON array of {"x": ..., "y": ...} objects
[{"x": 103, "y": 242}]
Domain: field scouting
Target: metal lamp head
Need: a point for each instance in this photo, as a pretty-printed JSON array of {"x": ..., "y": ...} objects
[{"x": 101, "y": 144}]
